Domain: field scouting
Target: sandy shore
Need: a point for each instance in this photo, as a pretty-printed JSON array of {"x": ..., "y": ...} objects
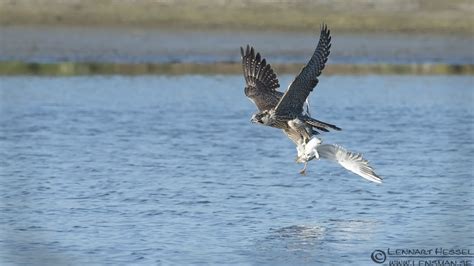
[{"x": 414, "y": 16}]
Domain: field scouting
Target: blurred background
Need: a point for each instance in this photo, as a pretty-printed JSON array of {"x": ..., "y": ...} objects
[
  {"x": 154, "y": 36},
  {"x": 125, "y": 136}
]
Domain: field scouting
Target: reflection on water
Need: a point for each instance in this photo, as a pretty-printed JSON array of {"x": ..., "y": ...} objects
[
  {"x": 297, "y": 237},
  {"x": 328, "y": 241},
  {"x": 300, "y": 233},
  {"x": 130, "y": 170}
]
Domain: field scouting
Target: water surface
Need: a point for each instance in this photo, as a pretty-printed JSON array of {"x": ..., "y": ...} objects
[{"x": 130, "y": 170}]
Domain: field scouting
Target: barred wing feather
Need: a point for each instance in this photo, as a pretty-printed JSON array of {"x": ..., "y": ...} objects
[
  {"x": 261, "y": 81},
  {"x": 291, "y": 105}
]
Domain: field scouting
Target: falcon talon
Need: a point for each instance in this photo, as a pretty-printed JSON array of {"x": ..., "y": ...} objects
[
  {"x": 303, "y": 172},
  {"x": 290, "y": 112}
]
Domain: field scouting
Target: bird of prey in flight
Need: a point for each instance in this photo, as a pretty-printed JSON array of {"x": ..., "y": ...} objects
[{"x": 289, "y": 111}]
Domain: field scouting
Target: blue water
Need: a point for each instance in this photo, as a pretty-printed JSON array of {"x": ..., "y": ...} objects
[{"x": 150, "y": 170}]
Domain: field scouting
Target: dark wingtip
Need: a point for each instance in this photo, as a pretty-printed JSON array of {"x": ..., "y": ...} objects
[{"x": 324, "y": 29}]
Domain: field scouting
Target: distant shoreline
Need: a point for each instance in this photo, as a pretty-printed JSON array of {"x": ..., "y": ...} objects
[
  {"x": 130, "y": 37},
  {"x": 403, "y": 16},
  {"x": 45, "y": 44},
  {"x": 75, "y": 69}
]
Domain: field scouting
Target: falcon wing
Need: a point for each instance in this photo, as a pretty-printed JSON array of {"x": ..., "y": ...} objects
[
  {"x": 261, "y": 81},
  {"x": 291, "y": 105}
]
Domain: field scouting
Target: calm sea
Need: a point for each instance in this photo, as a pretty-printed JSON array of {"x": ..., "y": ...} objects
[{"x": 149, "y": 170}]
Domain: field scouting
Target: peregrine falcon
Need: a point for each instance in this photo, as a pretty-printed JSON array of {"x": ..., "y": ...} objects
[
  {"x": 286, "y": 111},
  {"x": 289, "y": 111}
]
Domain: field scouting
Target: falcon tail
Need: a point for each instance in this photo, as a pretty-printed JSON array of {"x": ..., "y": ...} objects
[{"x": 323, "y": 126}]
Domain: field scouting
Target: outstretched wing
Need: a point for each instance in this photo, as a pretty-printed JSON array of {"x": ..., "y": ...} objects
[
  {"x": 291, "y": 105},
  {"x": 353, "y": 162},
  {"x": 261, "y": 80}
]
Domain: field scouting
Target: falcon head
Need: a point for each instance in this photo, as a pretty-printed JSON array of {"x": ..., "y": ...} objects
[
  {"x": 261, "y": 118},
  {"x": 265, "y": 117},
  {"x": 257, "y": 118}
]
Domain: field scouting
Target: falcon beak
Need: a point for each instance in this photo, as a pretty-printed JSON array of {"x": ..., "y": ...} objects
[{"x": 253, "y": 119}]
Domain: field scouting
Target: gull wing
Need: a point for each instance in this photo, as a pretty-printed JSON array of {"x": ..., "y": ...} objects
[
  {"x": 353, "y": 162},
  {"x": 291, "y": 104},
  {"x": 261, "y": 81}
]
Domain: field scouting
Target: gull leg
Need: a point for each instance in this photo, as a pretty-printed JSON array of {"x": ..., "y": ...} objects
[{"x": 303, "y": 171}]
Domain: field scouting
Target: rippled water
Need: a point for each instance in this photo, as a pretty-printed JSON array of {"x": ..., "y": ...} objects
[{"x": 126, "y": 170}]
